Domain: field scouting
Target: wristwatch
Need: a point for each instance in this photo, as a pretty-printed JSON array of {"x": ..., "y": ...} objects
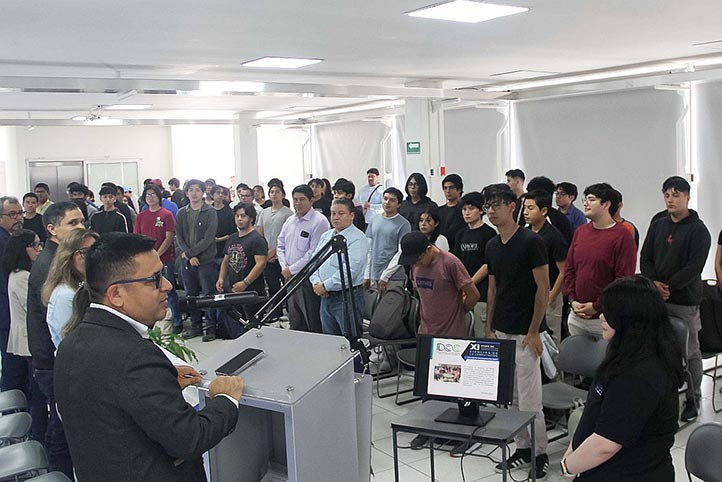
[{"x": 565, "y": 471}]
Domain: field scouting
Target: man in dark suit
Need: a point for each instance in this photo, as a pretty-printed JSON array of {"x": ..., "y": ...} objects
[{"x": 118, "y": 394}]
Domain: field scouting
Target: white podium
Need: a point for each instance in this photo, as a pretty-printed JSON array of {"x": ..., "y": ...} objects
[{"x": 305, "y": 415}]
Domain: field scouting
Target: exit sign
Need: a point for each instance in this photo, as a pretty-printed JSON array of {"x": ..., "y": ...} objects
[{"x": 413, "y": 147}]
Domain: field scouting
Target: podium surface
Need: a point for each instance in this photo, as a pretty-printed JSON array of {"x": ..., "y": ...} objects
[{"x": 303, "y": 415}]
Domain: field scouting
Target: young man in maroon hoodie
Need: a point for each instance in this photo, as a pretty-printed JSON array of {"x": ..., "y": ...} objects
[{"x": 601, "y": 251}]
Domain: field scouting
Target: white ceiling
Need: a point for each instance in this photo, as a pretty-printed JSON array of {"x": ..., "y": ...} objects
[{"x": 369, "y": 45}]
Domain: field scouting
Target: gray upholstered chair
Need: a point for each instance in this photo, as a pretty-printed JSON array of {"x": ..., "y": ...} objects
[
  {"x": 703, "y": 455},
  {"x": 14, "y": 428},
  {"x": 578, "y": 355},
  {"x": 12, "y": 401},
  {"x": 22, "y": 461}
]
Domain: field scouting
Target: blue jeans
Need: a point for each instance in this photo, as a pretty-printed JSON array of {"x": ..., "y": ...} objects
[
  {"x": 200, "y": 280},
  {"x": 55, "y": 444},
  {"x": 332, "y": 312},
  {"x": 169, "y": 267}
]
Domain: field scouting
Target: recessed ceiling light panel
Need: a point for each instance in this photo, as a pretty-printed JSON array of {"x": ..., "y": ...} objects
[
  {"x": 281, "y": 62},
  {"x": 466, "y": 11}
]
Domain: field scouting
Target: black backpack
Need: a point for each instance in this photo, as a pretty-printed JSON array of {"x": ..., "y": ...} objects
[
  {"x": 710, "y": 312},
  {"x": 392, "y": 313},
  {"x": 227, "y": 325}
]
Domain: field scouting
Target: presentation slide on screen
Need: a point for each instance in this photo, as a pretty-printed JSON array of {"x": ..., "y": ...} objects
[{"x": 464, "y": 369}]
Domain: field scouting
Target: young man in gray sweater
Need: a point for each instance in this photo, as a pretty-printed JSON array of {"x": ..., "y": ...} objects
[{"x": 196, "y": 235}]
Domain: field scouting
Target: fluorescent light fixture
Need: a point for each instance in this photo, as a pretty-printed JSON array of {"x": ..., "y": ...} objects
[
  {"x": 281, "y": 62},
  {"x": 128, "y": 106},
  {"x": 221, "y": 87},
  {"x": 466, "y": 11},
  {"x": 31, "y": 128},
  {"x": 104, "y": 121},
  {"x": 80, "y": 118},
  {"x": 378, "y": 104},
  {"x": 589, "y": 77}
]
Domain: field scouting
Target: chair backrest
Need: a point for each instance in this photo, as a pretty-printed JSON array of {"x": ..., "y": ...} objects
[
  {"x": 22, "y": 458},
  {"x": 581, "y": 355},
  {"x": 12, "y": 401},
  {"x": 681, "y": 331},
  {"x": 50, "y": 477},
  {"x": 703, "y": 455},
  {"x": 469, "y": 318}
]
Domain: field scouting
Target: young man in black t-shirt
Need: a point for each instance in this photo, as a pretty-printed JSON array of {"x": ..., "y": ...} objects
[
  {"x": 244, "y": 258},
  {"x": 516, "y": 301},
  {"x": 452, "y": 219},
  {"x": 470, "y": 247},
  {"x": 536, "y": 206}
]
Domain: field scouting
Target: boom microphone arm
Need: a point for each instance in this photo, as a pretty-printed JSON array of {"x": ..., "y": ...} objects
[{"x": 336, "y": 245}]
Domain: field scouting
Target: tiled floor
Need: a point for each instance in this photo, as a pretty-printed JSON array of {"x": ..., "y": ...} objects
[{"x": 414, "y": 464}]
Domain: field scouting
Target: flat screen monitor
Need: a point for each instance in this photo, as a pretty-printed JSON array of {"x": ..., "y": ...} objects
[{"x": 466, "y": 371}]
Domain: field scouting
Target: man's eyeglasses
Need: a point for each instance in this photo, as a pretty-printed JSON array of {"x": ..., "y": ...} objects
[
  {"x": 81, "y": 252},
  {"x": 14, "y": 214},
  {"x": 560, "y": 194},
  {"x": 157, "y": 279},
  {"x": 495, "y": 205}
]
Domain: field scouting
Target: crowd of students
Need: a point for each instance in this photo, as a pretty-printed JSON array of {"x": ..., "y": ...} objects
[{"x": 533, "y": 268}]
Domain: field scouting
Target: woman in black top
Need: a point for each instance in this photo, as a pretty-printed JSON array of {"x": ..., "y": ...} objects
[
  {"x": 416, "y": 200},
  {"x": 630, "y": 418}
]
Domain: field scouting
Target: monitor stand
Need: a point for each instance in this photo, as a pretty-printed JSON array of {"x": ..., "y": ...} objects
[{"x": 468, "y": 413}]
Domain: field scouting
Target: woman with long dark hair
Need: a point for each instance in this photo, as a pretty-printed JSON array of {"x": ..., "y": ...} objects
[
  {"x": 430, "y": 225},
  {"x": 416, "y": 199},
  {"x": 21, "y": 251},
  {"x": 630, "y": 418}
]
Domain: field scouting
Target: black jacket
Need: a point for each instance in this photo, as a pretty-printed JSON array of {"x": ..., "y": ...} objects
[
  {"x": 109, "y": 221},
  {"x": 675, "y": 254},
  {"x": 40, "y": 343},
  {"x": 123, "y": 412}
]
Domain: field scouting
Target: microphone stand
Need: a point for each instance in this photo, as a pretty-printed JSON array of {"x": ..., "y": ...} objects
[{"x": 336, "y": 245}]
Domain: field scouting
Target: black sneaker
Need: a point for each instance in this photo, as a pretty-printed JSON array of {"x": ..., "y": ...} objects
[
  {"x": 541, "y": 465},
  {"x": 188, "y": 334},
  {"x": 689, "y": 412},
  {"x": 210, "y": 335},
  {"x": 518, "y": 460},
  {"x": 418, "y": 442}
]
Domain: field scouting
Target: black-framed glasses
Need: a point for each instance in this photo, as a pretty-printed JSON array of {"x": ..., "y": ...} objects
[
  {"x": 157, "y": 278},
  {"x": 494, "y": 205},
  {"x": 81, "y": 252},
  {"x": 35, "y": 245},
  {"x": 14, "y": 214}
]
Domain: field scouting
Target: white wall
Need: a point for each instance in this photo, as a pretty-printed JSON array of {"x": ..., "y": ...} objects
[
  {"x": 12, "y": 165},
  {"x": 707, "y": 122},
  {"x": 628, "y": 139},
  {"x": 473, "y": 147},
  {"x": 348, "y": 149},
  {"x": 149, "y": 144},
  {"x": 280, "y": 154},
  {"x": 203, "y": 151}
]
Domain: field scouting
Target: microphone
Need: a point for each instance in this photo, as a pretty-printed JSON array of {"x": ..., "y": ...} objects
[{"x": 221, "y": 300}]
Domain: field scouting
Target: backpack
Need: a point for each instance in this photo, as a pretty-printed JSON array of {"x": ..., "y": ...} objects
[
  {"x": 710, "y": 312},
  {"x": 390, "y": 316},
  {"x": 227, "y": 325}
]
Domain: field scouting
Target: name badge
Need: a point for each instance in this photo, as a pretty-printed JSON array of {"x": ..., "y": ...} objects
[{"x": 305, "y": 234}]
